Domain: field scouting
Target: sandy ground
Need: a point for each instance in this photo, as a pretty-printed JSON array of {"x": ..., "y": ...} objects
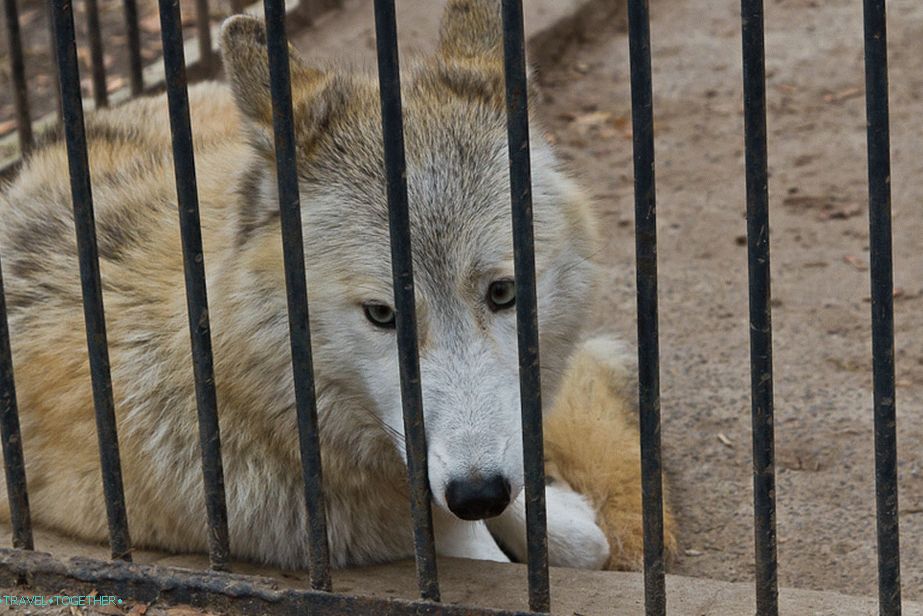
[{"x": 819, "y": 249}]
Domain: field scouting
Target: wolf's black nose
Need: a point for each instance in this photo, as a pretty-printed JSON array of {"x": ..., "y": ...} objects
[{"x": 479, "y": 497}]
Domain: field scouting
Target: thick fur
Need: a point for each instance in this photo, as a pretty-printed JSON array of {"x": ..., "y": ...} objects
[{"x": 459, "y": 198}]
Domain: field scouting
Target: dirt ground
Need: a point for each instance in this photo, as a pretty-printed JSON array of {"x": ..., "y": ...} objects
[{"x": 819, "y": 243}]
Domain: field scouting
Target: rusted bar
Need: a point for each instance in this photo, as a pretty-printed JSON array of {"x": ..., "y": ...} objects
[
  {"x": 530, "y": 386},
  {"x": 18, "y": 76},
  {"x": 296, "y": 291},
  {"x": 135, "y": 68},
  {"x": 14, "y": 464},
  {"x": 94, "y": 315},
  {"x": 171, "y": 31},
  {"x": 97, "y": 58},
  {"x": 392, "y": 126},
  {"x": 204, "y": 33},
  {"x": 642, "y": 117}
]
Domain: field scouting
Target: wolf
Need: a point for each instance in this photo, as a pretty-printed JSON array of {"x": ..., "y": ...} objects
[{"x": 458, "y": 187}]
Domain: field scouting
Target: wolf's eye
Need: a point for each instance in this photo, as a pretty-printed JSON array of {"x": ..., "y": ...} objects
[
  {"x": 501, "y": 295},
  {"x": 379, "y": 315}
]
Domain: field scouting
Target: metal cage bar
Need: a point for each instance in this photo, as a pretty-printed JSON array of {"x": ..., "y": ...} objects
[
  {"x": 18, "y": 76},
  {"x": 530, "y": 386},
  {"x": 404, "y": 301},
  {"x": 78, "y": 166},
  {"x": 171, "y": 30},
  {"x": 97, "y": 59},
  {"x": 14, "y": 464},
  {"x": 881, "y": 271},
  {"x": 297, "y": 292},
  {"x": 135, "y": 67},
  {"x": 52, "y": 49},
  {"x": 764, "y": 484},
  {"x": 204, "y": 33},
  {"x": 642, "y": 120}
]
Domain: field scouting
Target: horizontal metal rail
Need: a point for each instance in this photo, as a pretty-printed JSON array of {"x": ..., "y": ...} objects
[{"x": 206, "y": 589}]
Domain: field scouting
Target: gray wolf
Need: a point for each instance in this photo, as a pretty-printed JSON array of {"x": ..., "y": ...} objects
[{"x": 460, "y": 223}]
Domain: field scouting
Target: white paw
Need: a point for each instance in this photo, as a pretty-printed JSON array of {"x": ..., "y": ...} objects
[
  {"x": 574, "y": 539},
  {"x": 460, "y": 539}
]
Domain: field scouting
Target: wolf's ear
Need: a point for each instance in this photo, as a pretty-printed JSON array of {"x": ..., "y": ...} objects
[
  {"x": 469, "y": 59},
  {"x": 246, "y": 64},
  {"x": 472, "y": 30}
]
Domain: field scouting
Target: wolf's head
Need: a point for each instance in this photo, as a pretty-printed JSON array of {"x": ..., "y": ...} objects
[{"x": 459, "y": 196}]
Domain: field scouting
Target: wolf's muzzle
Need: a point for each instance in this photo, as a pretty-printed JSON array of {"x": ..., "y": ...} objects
[{"x": 478, "y": 498}]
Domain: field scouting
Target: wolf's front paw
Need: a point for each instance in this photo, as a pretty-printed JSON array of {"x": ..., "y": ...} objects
[{"x": 574, "y": 538}]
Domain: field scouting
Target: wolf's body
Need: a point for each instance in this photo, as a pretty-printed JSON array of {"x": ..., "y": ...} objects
[{"x": 458, "y": 182}]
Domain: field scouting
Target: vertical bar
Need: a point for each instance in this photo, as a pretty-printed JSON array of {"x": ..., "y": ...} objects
[
  {"x": 12, "y": 440},
  {"x": 18, "y": 75},
  {"x": 296, "y": 285},
  {"x": 78, "y": 165},
  {"x": 196, "y": 296},
  {"x": 642, "y": 118},
  {"x": 764, "y": 488},
  {"x": 204, "y": 33},
  {"x": 52, "y": 48},
  {"x": 530, "y": 387},
  {"x": 135, "y": 68},
  {"x": 879, "y": 169},
  {"x": 405, "y": 307},
  {"x": 100, "y": 94}
]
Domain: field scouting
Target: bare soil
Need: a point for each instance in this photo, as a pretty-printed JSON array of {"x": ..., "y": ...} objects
[{"x": 819, "y": 243}]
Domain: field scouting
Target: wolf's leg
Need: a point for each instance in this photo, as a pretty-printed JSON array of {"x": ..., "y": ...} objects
[
  {"x": 574, "y": 539},
  {"x": 461, "y": 539}
]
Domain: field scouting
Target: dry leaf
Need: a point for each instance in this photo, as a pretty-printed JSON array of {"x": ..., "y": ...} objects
[
  {"x": 857, "y": 262},
  {"x": 843, "y": 95}
]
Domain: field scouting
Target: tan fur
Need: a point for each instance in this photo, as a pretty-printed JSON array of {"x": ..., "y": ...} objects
[
  {"x": 592, "y": 443},
  {"x": 142, "y": 274}
]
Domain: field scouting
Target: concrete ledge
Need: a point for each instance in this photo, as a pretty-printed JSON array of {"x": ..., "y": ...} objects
[{"x": 168, "y": 579}]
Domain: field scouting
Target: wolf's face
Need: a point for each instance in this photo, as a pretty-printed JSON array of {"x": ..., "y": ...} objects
[{"x": 458, "y": 189}]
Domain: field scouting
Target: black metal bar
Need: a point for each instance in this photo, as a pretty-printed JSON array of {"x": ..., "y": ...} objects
[
  {"x": 78, "y": 165},
  {"x": 135, "y": 67},
  {"x": 204, "y": 33},
  {"x": 18, "y": 76},
  {"x": 530, "y": 385},
  {"x": 881, "y": 270},
  {"x": 100, "y": 93},
  {"x": 392, "y": 125},
  {"x": 174, "y": 61},
  {"x": 764, "y": 483},
  {"x": 642, "y": 119},
  {"x": 221, "y": 592},
  {"x": 296, "y": 285},
  {"x": 14, "y": 464},
  {"x": 52, "y": 49}
]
